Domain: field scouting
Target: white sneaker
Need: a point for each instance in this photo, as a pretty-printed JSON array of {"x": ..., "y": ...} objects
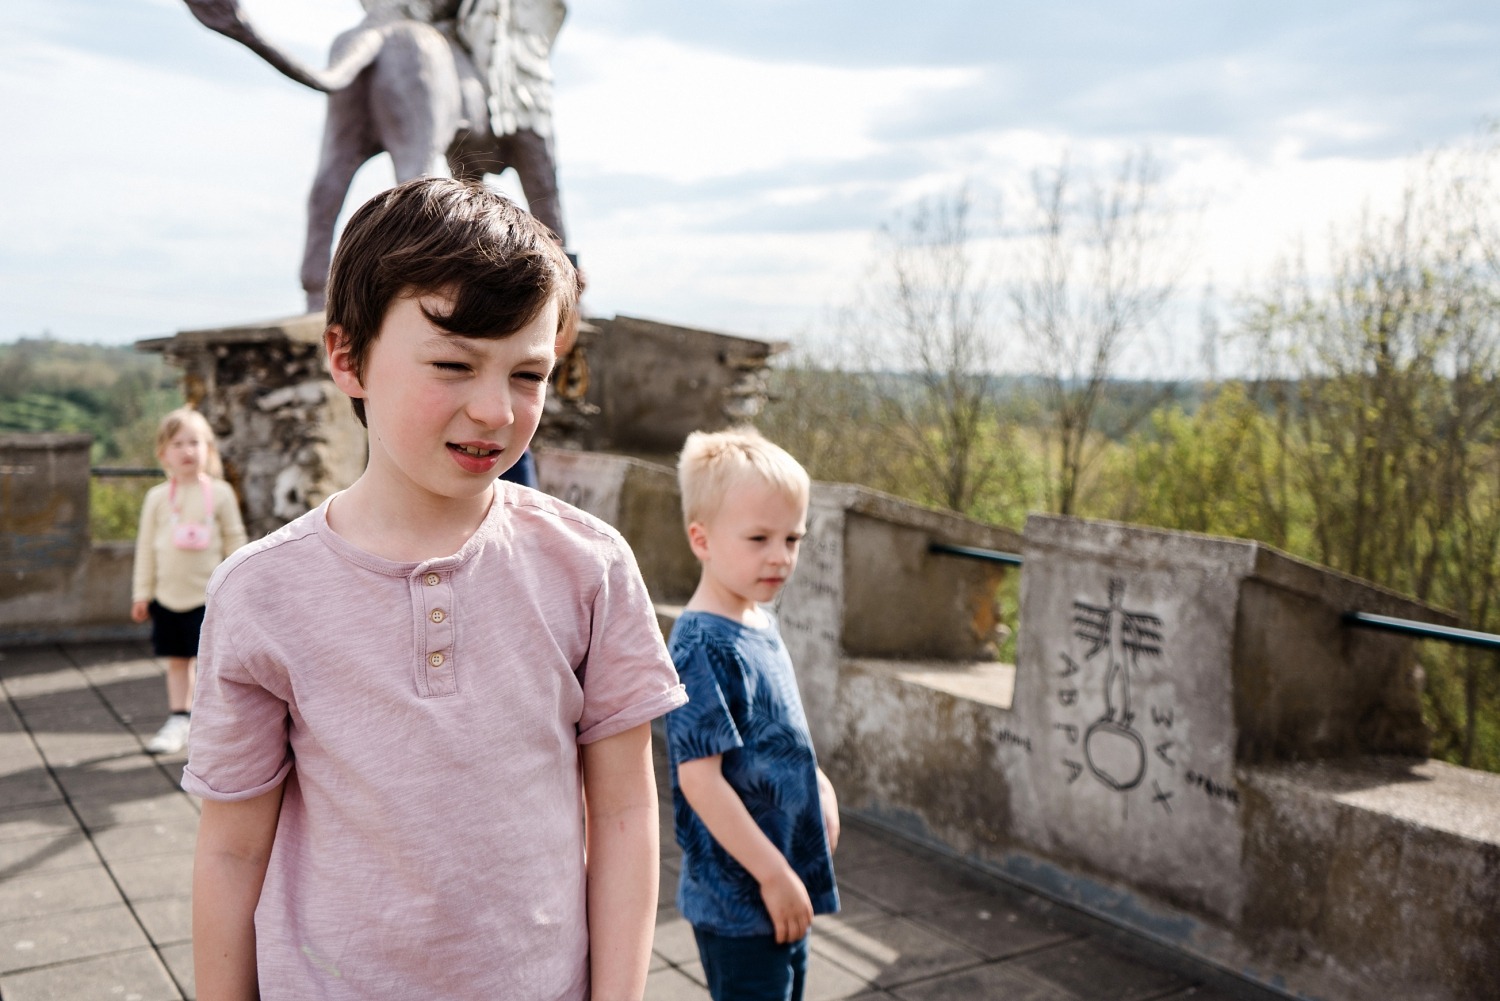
[{"x": 171, "y": 738}]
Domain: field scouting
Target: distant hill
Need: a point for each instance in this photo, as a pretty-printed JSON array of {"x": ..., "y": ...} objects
[{"x": 116, "y": 394}]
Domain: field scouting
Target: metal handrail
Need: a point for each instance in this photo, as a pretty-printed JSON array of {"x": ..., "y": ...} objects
[
  {"x": 1423, "y": 630},
  {"x": 125, "y": 471},
  {"x": 1362, "y": 620},
  {"x": 975, "y": 553}
]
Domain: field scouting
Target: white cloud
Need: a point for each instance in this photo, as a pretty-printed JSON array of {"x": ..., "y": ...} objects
[{"x": 656, "y": 107}]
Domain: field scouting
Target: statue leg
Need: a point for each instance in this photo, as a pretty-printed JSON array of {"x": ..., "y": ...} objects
[
  {"x": 347, "y": 143},
  {"x": 531, "y": 156},
  {"x": 415, "y": 102}
]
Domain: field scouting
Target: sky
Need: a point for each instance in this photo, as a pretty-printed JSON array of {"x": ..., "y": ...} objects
[{"x": 723, "y": 164}]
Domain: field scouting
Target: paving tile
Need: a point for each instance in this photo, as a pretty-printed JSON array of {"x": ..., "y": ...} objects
[
  {"x": 985, "y": 982},
  {"x": 167, "y": 920},
  {"x": 46, "y": 853},
  {"x": 98, "y": 814},
  {"x": 59, "y": 938},
  {"x": 93, "y": 717},
  {"x": 179, "y": 960},
  {"x": 130, "y": 668},
  {"x": 53, "y": 819},
  {"x": 666, "y": 888},
  {"x": 1093, "y": 968},
  {"x": 863, "y": 848},
  {"x": 65, "y": 702},
  {"x": 125, "y": 842},
  {"x": 996, "y": 926},
  {"x": 31, "y": 787},
  {"x": 158, "y": 876},
  {"x": 674, "y": 941},
  {"x": 1202, "y": 992},
  {"x": 67, "y": 749},
  {"x": 914, "y": 884},
  {"x": 39, "y": 893},
  {"x": 855, "y": 908},
  {"x": 63, "y": 678},
  {"x": 19, "y": 661},
  {"x": 893, "y": 951},
  {"x": 828, "y": 981},
  {"x": 114, "y": 780},
  {"x": 137, "y": 974},
  {"x": 673, "y": 985}
]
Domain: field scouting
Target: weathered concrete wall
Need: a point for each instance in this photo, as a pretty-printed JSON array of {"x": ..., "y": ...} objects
[
  {"x": 655, "y": 383},
  {"x": 1377, "y": 876},
  {"x": 1152, "y": 661},
  {"x": 638, "y": 498},
  {"x": 53, "y": 581},
  {"x": 867, "y": 586},
  {"x": 1158, "y": 675}
]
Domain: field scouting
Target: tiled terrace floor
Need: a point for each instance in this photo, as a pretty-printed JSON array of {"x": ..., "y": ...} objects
[{"x": 96, "y": 846}]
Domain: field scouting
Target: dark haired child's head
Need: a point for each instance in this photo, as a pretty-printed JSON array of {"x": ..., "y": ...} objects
[{"x": 495, "y": 265}]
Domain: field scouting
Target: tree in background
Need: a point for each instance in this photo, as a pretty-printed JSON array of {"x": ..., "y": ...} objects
[
  {"x": 930, "y": 306},
  {"x": 1094, "y": 277}
]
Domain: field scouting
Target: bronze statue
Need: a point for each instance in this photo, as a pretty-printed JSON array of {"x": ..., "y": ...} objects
[{"x": 461, "y": 81}]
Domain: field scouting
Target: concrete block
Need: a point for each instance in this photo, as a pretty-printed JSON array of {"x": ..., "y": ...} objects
[
  {"x": 32, "y": 895},
  {"x": 1092, "y": 969},
  {"x": 137, "y": 974},
  {"x": 641, "y": 501},
  {"x": 1153, "y": 664},
  {"x": 156, "y": 876},
  {"x": 891, "y": 952},
  {"x": 1380, "y": 873},
  {"x": 47, "y": 939}
]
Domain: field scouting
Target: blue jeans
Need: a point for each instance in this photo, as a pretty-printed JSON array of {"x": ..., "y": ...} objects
[{"x": 752, "y": 967}]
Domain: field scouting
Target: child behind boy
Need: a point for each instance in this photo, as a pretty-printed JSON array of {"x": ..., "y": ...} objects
[
  {"x": 424, "y": 701},
  {"x": 188, "y": 525},
  {"x": 756, "y": 818}
]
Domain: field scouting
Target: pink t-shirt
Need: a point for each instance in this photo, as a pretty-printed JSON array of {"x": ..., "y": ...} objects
[{"x": 427, "y": 720}]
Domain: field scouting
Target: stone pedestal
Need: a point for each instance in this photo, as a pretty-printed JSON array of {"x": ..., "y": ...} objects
[
  {"x": 289, "y": 437},
  {"x": 287, "y": 434}
]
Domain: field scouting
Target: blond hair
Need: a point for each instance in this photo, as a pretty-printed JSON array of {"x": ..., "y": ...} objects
[
  {"x": 713, "y": 462},
  {"x": 174, "y": 422}
]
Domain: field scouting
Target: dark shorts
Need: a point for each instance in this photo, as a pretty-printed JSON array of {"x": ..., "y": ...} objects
[
  {"x": 175, "y": 634},
  {"x": 753, "y": 967}
]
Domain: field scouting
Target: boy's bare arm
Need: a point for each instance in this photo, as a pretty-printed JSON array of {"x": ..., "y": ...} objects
[
  {"x": 720, "y": 808},
  {"x": 830, "y": 804},
  {"x": 624, "y": 856},
  {"x": 229, "y": 868}
]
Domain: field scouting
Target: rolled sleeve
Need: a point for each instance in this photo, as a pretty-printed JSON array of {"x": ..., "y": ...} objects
[
  {"x": 627, "y": 677},
  {"x": 238, "y": 748}
]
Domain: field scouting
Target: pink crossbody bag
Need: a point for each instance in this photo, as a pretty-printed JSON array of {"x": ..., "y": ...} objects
[{"x": 191, "y": 534}]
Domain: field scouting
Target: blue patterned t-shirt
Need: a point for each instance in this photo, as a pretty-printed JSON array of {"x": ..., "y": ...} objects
[{"x": 743, "y": 704}]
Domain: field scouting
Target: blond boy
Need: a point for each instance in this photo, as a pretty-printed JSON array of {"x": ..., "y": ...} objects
[{"x": 756, "y": 818}]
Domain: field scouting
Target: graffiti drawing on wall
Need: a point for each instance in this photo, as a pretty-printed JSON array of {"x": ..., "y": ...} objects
[
  {"x": 1110, "y": 735},
  {"x": 1112, "y": 746}
]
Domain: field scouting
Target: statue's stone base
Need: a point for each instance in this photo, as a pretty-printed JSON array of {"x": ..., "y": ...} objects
[{"x": 290, "y": 439}]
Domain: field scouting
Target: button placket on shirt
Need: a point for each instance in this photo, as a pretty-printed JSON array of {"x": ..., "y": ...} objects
[{"x": 436, "y": 650}]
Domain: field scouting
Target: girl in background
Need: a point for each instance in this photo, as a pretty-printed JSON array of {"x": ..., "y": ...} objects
[{"x": 188, "y": 525}]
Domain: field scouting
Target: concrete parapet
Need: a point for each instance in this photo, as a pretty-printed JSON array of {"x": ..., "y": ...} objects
[
  {"x": 1379, "y": 876},
  {"x": 639, "y": 499},
  {"x": 1166, "y": 688},
  {"x": 54, "y": 582}
]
